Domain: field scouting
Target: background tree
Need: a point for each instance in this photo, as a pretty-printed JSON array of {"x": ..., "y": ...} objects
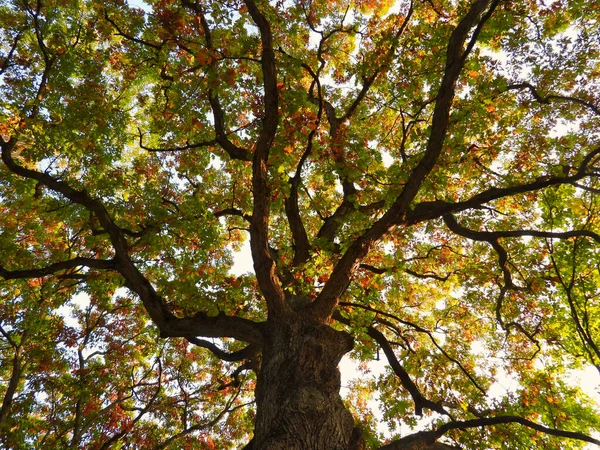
[{"x": 416, "y": 179}]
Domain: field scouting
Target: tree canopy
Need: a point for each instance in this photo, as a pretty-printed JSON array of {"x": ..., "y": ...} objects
[{"x": 419, "y": 183}]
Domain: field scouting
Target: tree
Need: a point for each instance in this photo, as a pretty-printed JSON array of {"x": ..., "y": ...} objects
[{"x": 417, "y": 179}]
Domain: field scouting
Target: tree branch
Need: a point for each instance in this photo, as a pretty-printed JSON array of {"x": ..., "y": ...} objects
[
  {"x": 492, "y": 237},
  {"x": 292, "y": 210},
  {"x": 546, "y": 100},
  {"x": 141, "y": 413},
  {"x": 486, "y": 235},
  {"x": 175, "y": 149},
  {"x": 434, "y": 209},
  {"x": 584, "y": 333},
  {"x": 264, "y": 265},
  {"x": 57, "y": 267},
  {"x": 489, "y": 421},
  {"x": 168, "y": 324},
  {"x": 248, "y": 365},
  {"x": 129, "y": 37},
  {"x": 432, "y": 436},
  {"x": 382, "y": 270},
  {"x": 368, "y": 81},
  {"x": 5, "y": 62},
  {"x": 418, "y": 329},
  {"x": 234, "y": 151},
  {"x": 232, "y": 212},
  {"x": 245, "y": 353},
  {"x": 407, "y": 383},
  {"x": 418, "y": 398},
  {"x": 333, "y": 222},
  {"x": 202, "y": 426},
  {"x": 16, "y": 373},
  {"x": 340, "y": 278}
]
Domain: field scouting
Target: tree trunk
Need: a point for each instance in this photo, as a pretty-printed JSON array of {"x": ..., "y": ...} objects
[{"x": 298, "y": 390}]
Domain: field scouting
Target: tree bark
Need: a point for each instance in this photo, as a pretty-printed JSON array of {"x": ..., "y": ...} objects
[
  {"x": 11, "y": 390},
  {"x": 418, "y": 444},
  {"x": 298, "y": 389}
]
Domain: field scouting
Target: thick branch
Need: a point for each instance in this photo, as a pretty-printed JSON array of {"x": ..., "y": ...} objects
[
  {"x": 333, "y": 223},
  {"x": 235, "y": 375},
  {"x": 232, "y": 212},
  {"x": 432, "y": 436},
  {"x": 455, "y": 60},
  {"x": 492, "y": 235},
  {"x": 434, "y": 209},
  {"x": 292, "y": 210},
  {"x": 492, "y": 238},
  {"x": 382, "y": 270},
  {"x": 57, "y": 267},
  {"x": 325, "y": 303},
  {"x": 299, "y": 235},
  {"x": 233, "y": 150},
  {"x": 169, "y": 325},
  {"x": 78, "y": 197},
  {"x": 15, "y": 374},
  {"x": 264, "y": 266}
]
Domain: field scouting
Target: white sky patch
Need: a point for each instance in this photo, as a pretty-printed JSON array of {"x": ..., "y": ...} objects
[
  {"x": 338, "y": 187},
  {"x": 242, "y": 261},
  {"x": 389, "y": 248},
  {"x": 562, "y": 128},
  {"x": 82, "y": 300},
  {"x": 440, "y": 337},
  {"x": 504, "y": 384},
  {"x": 349, "y": 369},
  {"x": 386, "y": 158},
  {"x": 140, "y": 4},
  {"x": 587, "y": 379}
]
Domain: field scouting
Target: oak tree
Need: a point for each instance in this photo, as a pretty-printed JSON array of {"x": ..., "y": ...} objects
[{"x": 418, "y": 182}]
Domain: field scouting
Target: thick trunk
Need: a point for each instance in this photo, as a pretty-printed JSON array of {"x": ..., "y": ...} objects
[{"x": 297, "y": 394}]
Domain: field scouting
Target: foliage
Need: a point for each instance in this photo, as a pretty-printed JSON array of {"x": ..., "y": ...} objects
[{"x": 423, "y": 175}]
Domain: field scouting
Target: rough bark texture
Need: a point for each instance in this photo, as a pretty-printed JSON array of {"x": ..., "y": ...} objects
[{"x": 298, "y": 401}]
